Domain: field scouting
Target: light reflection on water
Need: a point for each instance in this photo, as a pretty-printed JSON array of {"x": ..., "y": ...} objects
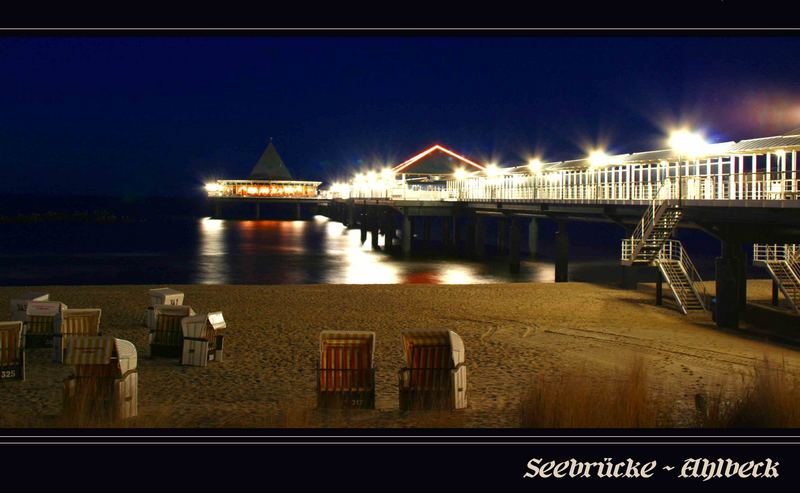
[
  {"x": 212, "y": 266},
  {"x": 210, "y": 251},
  {"x": 323, "y": 251}
]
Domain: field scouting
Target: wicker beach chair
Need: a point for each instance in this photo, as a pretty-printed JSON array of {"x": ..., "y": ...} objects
[
  {"x": 12, "y": 354},
  {"x": 346, "y": 370},
  {"x": 202, "y": 338},
  {"x": 435, "y": 376},
  {"x": 161, "y": 296},
  {"x": 74, "y": 322},
  {"x": 104, "y": 385},
  {"x": 19, "y": 306},
  {"x": 166, "y": 334},
  {"x": 42, "y": 322}
]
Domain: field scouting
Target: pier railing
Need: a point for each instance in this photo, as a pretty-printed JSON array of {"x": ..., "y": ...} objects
[
  {"x": 594, "y": 187},
  {"x": 673, "y": 250},
  {"x": 776, "y": 253}
]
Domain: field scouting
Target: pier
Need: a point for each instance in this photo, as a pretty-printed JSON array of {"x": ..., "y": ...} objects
[{"x": 744, "y": 193}]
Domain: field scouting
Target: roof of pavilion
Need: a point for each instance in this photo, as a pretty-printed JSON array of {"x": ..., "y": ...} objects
[
  {"x": 270, "y": 166},
  {"x": 437, "y": 160}
]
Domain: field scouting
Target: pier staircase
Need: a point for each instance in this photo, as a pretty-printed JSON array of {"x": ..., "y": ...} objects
[
  {"x": 650, "y": 244},
  {"x": 656, "y": 227},
  {"x": 783, "y": 264},
  {"x": 680, "y": 273}
]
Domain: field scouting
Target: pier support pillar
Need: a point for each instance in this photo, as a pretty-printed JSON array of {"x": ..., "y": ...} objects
[
  {"x": 562, "y": 253},
  {"x": 632, "y": 274},
  {"x": 217, "y": 210},
  {"x": 389, "y": 231},
  {"x": 514, "y": 245},
  {"x": 362, "y": 220},
  {"x": 258, "y": 210},
  {"x": 297, "y": 212},
  {"x": 729, "y": 280},
  {"x": 426, "y": 233},
  {"x": 533, "y": 237},
  {"x": 447, "y": 234},
  {"x": 502, "y": 235},
  {"x": 458, "y": 233},
  {"x": 659, "y": 287},
  {"x": 469, "y": 241},
  {"x": 407, "y": 232},
  {"x": 775, "y": 291},
  {"x": 374, "y": 224},
  {"x": 480, "y": 236},
  {"x": 351, "y": 215},
  {"x": 742, "y": 260}
]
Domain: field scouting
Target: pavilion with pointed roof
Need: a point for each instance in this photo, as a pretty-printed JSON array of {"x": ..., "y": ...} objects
[{"x": 269, "y": 178}]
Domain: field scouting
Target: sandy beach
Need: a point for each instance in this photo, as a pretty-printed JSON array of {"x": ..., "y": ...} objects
[{"x": 513, "y": 333}]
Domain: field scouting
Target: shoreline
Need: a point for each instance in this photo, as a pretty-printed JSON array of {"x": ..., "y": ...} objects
[{"x": 513, "y": 333}]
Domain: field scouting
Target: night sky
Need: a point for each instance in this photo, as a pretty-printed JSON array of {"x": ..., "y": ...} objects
[{"x": 159, "y": 115}]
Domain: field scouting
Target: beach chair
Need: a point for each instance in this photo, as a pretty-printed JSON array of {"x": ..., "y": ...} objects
[
  {"x": 104, "y": 384},
  {"x": 12, "y": 354},
  {"x": 346, "y": 371},
  {"x": 19, "y": 306},
  {"x": 166, "y": 334},
  {"x": 42, "y": 322},
  {"x": 161, "y": 296},
  {"x": 202, "y": 338},
  {"x": 435, "y": 376},
  {"x": 74, "y": 322}
]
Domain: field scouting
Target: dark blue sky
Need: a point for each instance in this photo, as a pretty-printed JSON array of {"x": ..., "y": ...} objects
[{"x": 158, "y": 115}]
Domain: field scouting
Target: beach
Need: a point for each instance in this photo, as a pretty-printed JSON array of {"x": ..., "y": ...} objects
[{"x": 513, "y": 333}]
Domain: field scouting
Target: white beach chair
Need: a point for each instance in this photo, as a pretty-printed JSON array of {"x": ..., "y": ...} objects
[
  {"x": 105, "y": 383},
  {"x": 435, "y": 376},
  {"x": 42, "y": 322},
  {"x": 12, "y": 351},
  {"x": 74, "y": 322},
  {"x": 161, "y": 296},
  {"x": 346, "y": 369},
  {"x": 203, "y": 338},
  {"x": 19, "y": 306},
  {"x": 166, "y": 334}
]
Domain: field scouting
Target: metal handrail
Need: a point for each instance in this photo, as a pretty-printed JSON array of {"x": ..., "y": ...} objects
[
  {"x": 776, "y": 252},
  {"x": 673, "y": 250},
  {"x": 649, "y": 217}
]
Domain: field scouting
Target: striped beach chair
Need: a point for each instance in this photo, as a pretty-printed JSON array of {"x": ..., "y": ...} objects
[
  {"x": 19, "y": 306},
  {"x": 161, "y": 296},
  {"x": 435, "y": 376},
  {"x": 346, "y": 370},
  {"x": 166, "y": 333},
  {"x": 12, "y": 354},
  {"x": 74, "y": 322},
  {"x": 202, "y": 338},
  {"x": 42, "y": 322},
  {"x": 104, "y": 386}
]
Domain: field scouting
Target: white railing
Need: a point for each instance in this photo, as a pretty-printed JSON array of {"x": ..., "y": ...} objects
[
  {"x": 776, "y": 253},
  {"x": 593, "y": 187},
  {"x": 673, "y": 250},
  {"x": 628, "y": 246},
  {"x": 649, "y": 217}
]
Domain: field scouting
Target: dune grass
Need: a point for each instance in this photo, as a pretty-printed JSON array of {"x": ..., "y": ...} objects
[{"x": 768, "y": 398}]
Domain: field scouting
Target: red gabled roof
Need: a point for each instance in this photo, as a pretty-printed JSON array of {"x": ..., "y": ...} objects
[{"x": 405, "y": 165}]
